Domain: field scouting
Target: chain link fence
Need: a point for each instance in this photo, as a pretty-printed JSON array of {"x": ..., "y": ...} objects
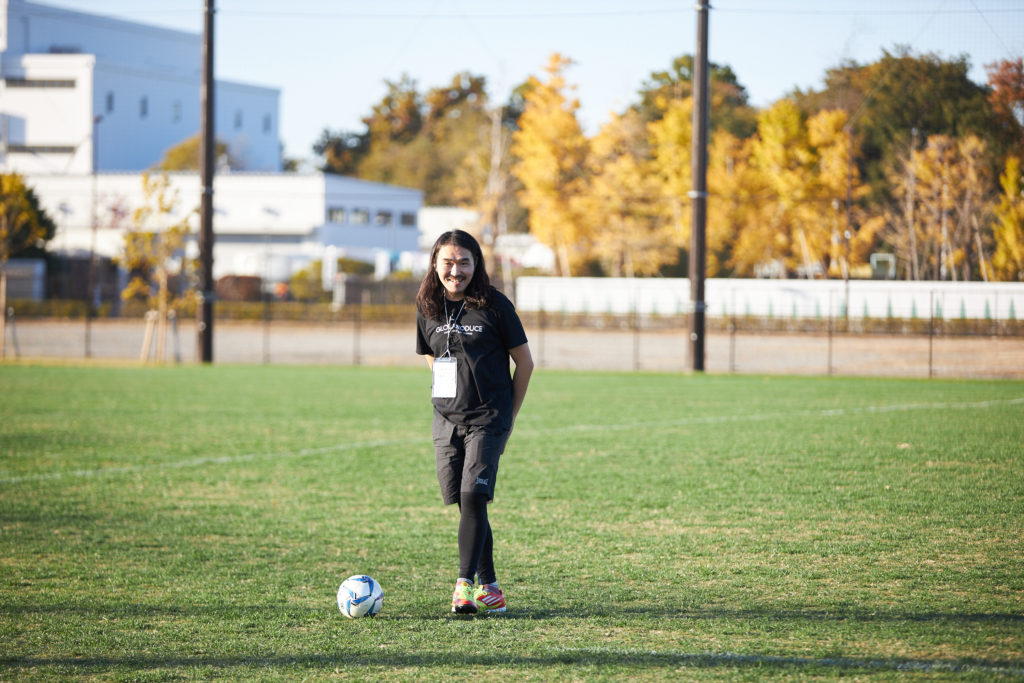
[{"x": 384, "y": 335}]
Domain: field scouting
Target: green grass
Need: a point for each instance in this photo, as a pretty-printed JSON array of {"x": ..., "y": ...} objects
[{"x": 195, "y": 522}]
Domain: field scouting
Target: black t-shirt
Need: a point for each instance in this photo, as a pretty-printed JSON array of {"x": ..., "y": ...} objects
[{"x": 479, "y": 340}]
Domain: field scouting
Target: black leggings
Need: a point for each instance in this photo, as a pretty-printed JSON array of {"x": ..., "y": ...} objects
[{"x": 476, "y": 543}]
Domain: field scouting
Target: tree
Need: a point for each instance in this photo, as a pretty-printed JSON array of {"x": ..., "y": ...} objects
[
  {"x": 783, "y": 157},
  {"x": 184, "y": 156},
  {"x": 728, "y": 98},
  {"x": 550, "y": 149},
  {"x": 341, "y": 151},
  {"x": 1008, "y": 230},
  {"x": 1006, "y": 97},
  {"x": 941, "y": 190},
  {"x": 23, "y": 224},
  {"x": 734, "y": 188},
  {"x": 619, "y": 206},
  {"x": 834, "y": 214},
  {"x": 897, "y": 97},
  {"x": 153, "y": 246},
  {"x": 671, "y": 149},
  {"x": 429, "y": 142},
  {"x": 457, "y": 130},
  {"x": 399, "y": 115}
]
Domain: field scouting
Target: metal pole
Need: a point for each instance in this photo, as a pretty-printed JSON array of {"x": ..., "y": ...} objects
[
  {"x": 204, "y": 324},
  {"x": 93, "y": 224},
  {"x": 931, "y": 333},
  {"x": 698, "y": 245}
]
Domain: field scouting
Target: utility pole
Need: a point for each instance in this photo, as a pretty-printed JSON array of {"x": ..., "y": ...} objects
[
  {"x": 204, "y": 324},
  {"x": 699, "y": 194}
]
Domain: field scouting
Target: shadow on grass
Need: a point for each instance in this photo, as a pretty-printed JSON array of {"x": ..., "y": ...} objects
[
  {"x": 376, "y": 656},
  {"x": 594, "y": 657},
  {"x": 590, "y": 611}
]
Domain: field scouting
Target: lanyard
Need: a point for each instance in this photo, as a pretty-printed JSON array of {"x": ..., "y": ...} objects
[{"x": 452, "y": 319}]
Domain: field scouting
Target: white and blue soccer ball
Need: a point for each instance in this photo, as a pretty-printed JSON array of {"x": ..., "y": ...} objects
[{"x": 360, "y": 596}]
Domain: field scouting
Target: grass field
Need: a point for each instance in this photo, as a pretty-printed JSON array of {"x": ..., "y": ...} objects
[{"x": 195, "y": 522}]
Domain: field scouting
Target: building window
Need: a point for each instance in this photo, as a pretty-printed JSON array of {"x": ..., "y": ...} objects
[
  {"x": 143, "y": 107},
  {"x": 176, "y": 111},
  {"x": 110, "y": 101},
  {"x": 408, "y": 219},
  {"x": 335, "y": 214},
  {"x": 238, "y": 119},
  {"x": 383, "y": 218},
  {"x": 38, "y": 83},
  {"x": 359, "y": 217},
  {"x": 267, "y": 123}
]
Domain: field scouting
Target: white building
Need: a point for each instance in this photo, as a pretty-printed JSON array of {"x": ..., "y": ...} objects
[
  {"x": 517, "y": 250},
  {"x": 69, "y": 80},
  {"x": 265, "y": 224}
]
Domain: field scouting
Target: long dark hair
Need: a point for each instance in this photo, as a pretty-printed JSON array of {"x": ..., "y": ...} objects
[{"x": 430, "y": 299}]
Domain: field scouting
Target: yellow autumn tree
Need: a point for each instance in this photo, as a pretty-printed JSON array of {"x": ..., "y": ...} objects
[
  {"x": 734, "y": 202},
  {"x": 154, "y": 242},
  {"x": 844, "y": 234},
  {"x": 22, "y": 224},
  {"x": 671, "y": 143},
  {"x": 972, "y": 198},
  {"x": 733, "y": 191},
  {"x": 550, "y": 151},
  {"x": 782, "y": 156},
  {"x": 628, "y": 236},
  {"x": 943, "y": 188},
  {"x": 1008, "y": 229}
]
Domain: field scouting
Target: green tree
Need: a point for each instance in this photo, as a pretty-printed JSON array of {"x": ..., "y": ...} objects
[
  {"x": 399, "y": 114},
  {"x": 23, "y": 225},
  {"x": 341, "y": 151},
  {"x": 429, "y": 142},
  {"x": 898, "y": 97},
  {"x": 728, "y": 97}
]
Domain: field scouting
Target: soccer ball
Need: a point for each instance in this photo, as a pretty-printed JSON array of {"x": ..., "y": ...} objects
[{"x": 360, "y": 596}]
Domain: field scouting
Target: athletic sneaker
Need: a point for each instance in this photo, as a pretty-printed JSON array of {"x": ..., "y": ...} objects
[
  {"x": 489, "y": 599},
  {"x": 462, "y": 599}
]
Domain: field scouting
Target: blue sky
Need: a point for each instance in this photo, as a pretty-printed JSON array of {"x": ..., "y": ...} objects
[{"x": 330, "y": 58}]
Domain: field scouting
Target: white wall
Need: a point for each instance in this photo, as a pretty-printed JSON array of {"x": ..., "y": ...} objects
[
  {"x": 777, "y": 298},
  {"x": 247, "y": 119},
  {"x": 53, "y": 116}
]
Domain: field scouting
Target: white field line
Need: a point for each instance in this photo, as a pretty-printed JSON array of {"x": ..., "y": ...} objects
[
  {"x": 761, "y": 417},
  {"x": 358, "y": 445},
  {"x": 199, "y": 462},
  {"x": 734, "y": 659}
]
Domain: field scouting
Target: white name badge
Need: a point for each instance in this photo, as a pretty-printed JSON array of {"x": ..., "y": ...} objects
[{"x": 444, "y": 378}]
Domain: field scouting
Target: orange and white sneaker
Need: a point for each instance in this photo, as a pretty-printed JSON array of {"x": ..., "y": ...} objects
[
  {"x": 489, "y": 598},
  {"x": 462, "y": 598}
]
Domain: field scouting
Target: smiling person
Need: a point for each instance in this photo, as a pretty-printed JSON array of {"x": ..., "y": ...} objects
[{"x": 468, "y": 330}]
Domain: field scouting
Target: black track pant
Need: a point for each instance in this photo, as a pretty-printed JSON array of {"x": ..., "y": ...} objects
[{"x": 476, "y": 543}]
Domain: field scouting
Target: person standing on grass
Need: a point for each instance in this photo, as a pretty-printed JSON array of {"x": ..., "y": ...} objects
[{"x": 468, "y": 330}]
